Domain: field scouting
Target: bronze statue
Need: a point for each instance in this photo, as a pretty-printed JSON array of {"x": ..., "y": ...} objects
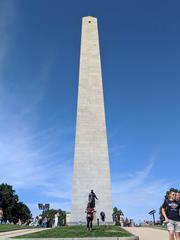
[{"x": 92, "y": 197}]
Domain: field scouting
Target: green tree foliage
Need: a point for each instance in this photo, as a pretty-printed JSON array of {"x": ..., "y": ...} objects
[
  {"x": 49, "y": 214},
  {"x": 116, "y": 215},
  {"x": 166, "y": 197},
  {"x": 13, "y": 210},
  {"x": 24, "y": 212}
]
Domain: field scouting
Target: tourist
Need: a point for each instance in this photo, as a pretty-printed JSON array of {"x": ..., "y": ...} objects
[
  {"x": 1, "y": 215},
  {"x": 103, "y": 216},
  {"x": 170, "y": 211},
  {"x": 19, "y": 222},
  {"x": 56, "y": 218},
  {"x": 89, "y": 216},
  {"x": 44, "y": 222},
  {"x": 178, "y": 200},
  {"x": 178, "y": 196},
  {"x": 40, "y": 220},
  {"x": 35, "y": 222},
  {"x": 121, "y": 220}
]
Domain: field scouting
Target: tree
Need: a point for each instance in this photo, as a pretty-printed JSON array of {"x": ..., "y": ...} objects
[
  {"x": 116, "y": 215},
  {"x": 24, "y": 212},
  {"x": 12, "y": 208},
  {"x": 166, "y": 197},
  {"x": 49, "y": 214}
]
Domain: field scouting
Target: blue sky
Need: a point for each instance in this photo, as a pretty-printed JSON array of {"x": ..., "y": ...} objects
[{"x": 39, "y": 62}]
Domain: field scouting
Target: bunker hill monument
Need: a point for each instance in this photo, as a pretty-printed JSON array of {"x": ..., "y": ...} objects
[{"x": 91, "y": 160}]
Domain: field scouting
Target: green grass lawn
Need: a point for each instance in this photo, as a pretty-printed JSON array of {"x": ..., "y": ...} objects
[
  {"x": 80, "y": 232},
  {"x": 9, "y": 227}
]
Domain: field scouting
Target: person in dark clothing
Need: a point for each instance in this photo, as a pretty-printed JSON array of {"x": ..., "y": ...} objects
[
  {"x": 178, "y": 200},
  {"x": 102, "y": 214},
  {"x": 178, "y": 196},
  {"x": 92, "y": 197},
  {"x": 89, "y": 216},
  {"x": 171, "y": 213}
]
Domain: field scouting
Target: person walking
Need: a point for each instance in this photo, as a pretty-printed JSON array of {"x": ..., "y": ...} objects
[
  {"x": 178, "y": 200},
  {"x": 171, "y": 213}
]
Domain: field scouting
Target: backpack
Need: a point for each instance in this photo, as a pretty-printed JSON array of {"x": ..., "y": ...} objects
[{"x": 89, "y": 212}]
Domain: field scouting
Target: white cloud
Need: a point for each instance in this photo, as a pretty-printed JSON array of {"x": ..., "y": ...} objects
[
  {"x": 25, "y": 161},
  {"x": 137, "y": 193},
  {"x": 29, "y": 158},
  {"x": 116, "y": 149}
]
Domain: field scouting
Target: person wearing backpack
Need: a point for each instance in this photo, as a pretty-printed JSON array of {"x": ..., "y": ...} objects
[{"x": 89, "y": 216}]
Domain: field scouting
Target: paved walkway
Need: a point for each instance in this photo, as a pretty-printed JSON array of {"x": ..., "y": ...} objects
[
  {"x": 145, "y": 233},
  {"x": 6, "y": 235}
]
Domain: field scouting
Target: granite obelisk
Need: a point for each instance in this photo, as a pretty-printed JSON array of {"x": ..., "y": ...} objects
[{"x": 91, "y": 160}]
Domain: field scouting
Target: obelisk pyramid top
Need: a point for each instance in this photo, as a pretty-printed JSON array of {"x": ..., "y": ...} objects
[{"x": 89, "y": 19}]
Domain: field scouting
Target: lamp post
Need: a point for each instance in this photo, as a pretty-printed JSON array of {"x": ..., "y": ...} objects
[
  {"x": 43, "y": 207},
  {"x": 152, "y": 213}
]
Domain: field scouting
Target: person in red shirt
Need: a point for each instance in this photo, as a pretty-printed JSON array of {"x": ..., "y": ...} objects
[{"x": 89, "y": 216}]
